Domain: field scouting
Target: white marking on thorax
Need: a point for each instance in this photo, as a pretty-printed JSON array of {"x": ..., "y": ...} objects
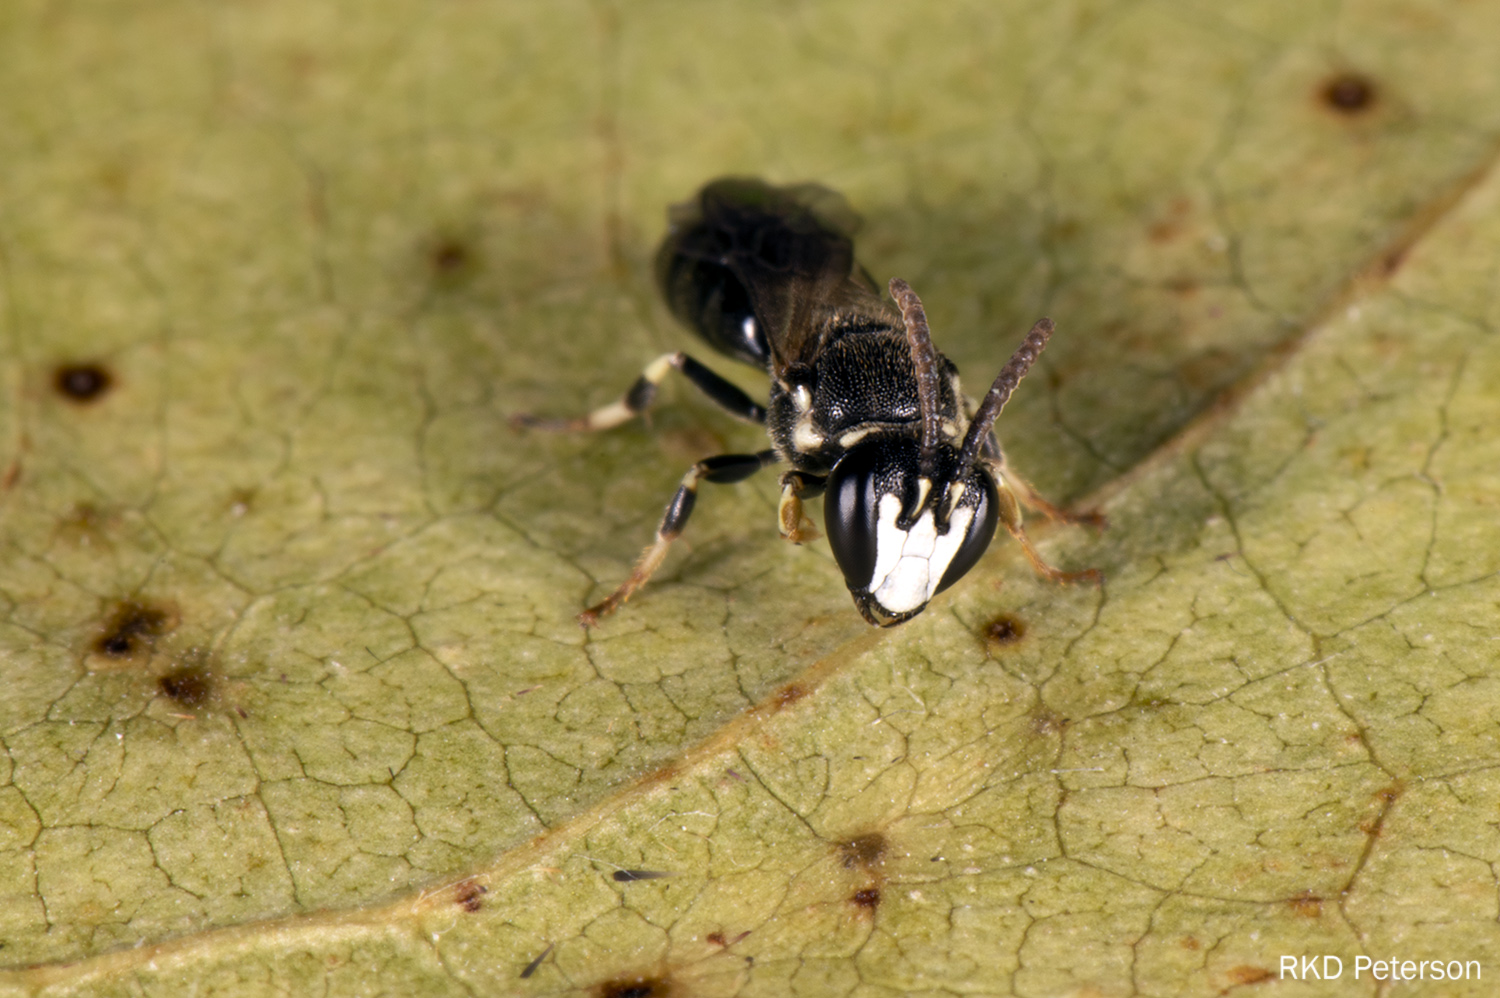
[
  {"x": 854, "y": 436},
  {"x": 910, "y": 564},
  {"x": 804, "y": 437}
]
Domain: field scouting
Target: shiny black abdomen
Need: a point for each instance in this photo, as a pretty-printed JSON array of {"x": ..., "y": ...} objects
[
  {"x": 709, "y": 299},
  {"x": 741, "y": 238}
]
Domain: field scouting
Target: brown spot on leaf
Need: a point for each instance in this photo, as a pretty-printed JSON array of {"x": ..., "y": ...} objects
[
  {"x": 787, "y": 695},
  {"x": 1171, "y": 225},
  {"x": 1163, "y": 231},
  {"x": 1246, "y": 974},
  {"x": 1349, "y": 93},
  {"x": 1190, "y": 943},
  {"x": 1045, "y": 721},
  {"x": 867, "y": 898},
  {"x": 1307, "y": 904},
  {"x": 866, "y": 851},
  {"x": 189, "y": 685},
  {"x": 449, "y": 254},
  {"x": 722, "y": 941},
  {"x": 82, "y": 382},
  {"x": 1006, "y": 629},
  {"x": 635, "y": 987},
  {"x": 1387, "y": 794},
  {"x": 1208, "y": 369},
  {"x": 469, "y": 895},
  {"x": 84, "y": 524},
  {"x": 1183, "y": 285},
  {"x": 132, "y": 627},
  {"x": 453, "y": 259},
  {"x": 240, "y": 501}
]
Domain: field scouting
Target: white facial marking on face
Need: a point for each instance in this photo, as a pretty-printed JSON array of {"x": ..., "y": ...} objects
[
  {"x": 924, "y": 486},
  {"x": 909, "y": 564}
]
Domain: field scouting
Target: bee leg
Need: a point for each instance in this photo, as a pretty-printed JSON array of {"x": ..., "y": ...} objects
[
  {"x": 724, "y": 469},
  {"x": 1031, "y": 499},
  {"x": 1010, "y": 518},
  {"x": 795, "y": 487},
  {"x": 641, "y": 394}
]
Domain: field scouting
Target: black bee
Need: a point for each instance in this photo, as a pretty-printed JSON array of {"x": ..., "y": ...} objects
[{"x": 862, "y": 407}]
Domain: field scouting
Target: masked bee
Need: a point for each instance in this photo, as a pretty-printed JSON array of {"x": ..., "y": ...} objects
[{"x": 863, "y": 408}]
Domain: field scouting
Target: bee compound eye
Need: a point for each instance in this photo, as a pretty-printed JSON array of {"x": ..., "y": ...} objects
[
  {"x": 850, "y": 509},
  {"x": 892, "y": 566},
  {"x": 980, "y": 528}
]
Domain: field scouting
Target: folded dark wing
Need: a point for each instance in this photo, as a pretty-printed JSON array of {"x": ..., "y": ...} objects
[{"x": 782, "y": 256}]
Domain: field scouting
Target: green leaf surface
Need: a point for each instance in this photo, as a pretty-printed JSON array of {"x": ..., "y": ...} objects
[{"x": 295, "y": 699}]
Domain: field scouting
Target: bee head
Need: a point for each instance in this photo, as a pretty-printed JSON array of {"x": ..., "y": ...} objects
[{"x": 901, "y": 536}]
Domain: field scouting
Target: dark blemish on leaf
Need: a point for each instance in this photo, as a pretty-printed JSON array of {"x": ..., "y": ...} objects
[
  {"x": 240, "y": 501},
  {"x": 666, "y": 774},
  {"x": 133, "y": 627},
  {"x": 635, "y": 987},
  {"x": 1349, "y": 93},
  {"x": 1190, "y": 943},
  {"x": 1387, "y": 794},
  {"x": 629, "y": 876},
  {"x": 450, "y": 254},
  {"x": 1393, "y": 261},
  {"x": 452, "y": 259},
  {"x": 189, "y": 685},
  {"x": 531, "y": 967},
  {"x": 83, "y": 524},
  {"x": 867, "y": 851},
  {"x": 1167, "y": 228},
  {"x": 788, "y": 695},
  {"x": 242, "y": 712},
  {"x": 718, "y": 939},
  {"x": 469, "y": 895},
  {"x": 1047, "y": 722},
  {"x": 1005, "y": 629},
  {"x": 1307, "y": 904},
  {"x": 866, "y": 897},
  {"x": 82, "y": 382},
  {"x": 1246, "y": 974}
]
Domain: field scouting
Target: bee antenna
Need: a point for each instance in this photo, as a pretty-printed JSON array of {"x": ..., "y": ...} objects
[
  {"x": 924, "y": 359},
  {"x": 1005, "y": 382}
]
